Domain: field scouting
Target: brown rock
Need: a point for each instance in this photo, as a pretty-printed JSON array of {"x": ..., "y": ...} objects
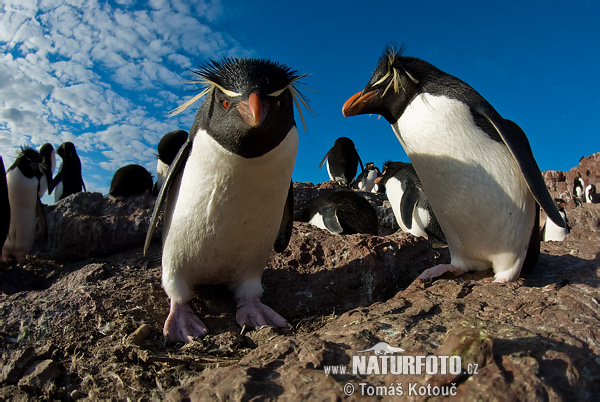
[
  {"x": 39, "y": 374},
  {"x": 14, "y": 369}
]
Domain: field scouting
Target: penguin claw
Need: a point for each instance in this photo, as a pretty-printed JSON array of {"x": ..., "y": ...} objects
[
  {"x": 182, "y": 325},
  {"x": 253, "y": 313}
]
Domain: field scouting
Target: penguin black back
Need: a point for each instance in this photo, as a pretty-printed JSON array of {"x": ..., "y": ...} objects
[
  {"x": 170, "y": 144},
  {"x": 342, "y": 212},
  {"x": 342, "y": 161},
  {"x": 130, "y": 180},
  {"x": 70, "y": 172}
]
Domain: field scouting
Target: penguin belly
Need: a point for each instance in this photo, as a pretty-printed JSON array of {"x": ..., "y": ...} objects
[
  {"x": 22, "y": 196},
  {"x": 161, "y": 173},
  {"x": 43, "y": 186},
  {"x": 474, "y": 186},
  {"x": 221, "y": 223},
  {"x": 553, "y": 232},
  {"x": 419, "y": 222}
]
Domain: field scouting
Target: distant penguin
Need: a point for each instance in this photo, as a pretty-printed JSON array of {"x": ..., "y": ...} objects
[
  {"x": 553, "y": 232},
  {"x": 342, "y": 161},
  {"x": 130, "y": 180},
  {"x": 47, "y": 167},
  {"x": 22, "y": 180},
  {"x": 477, "y": 168},
  {"x": 168, "y": 147},
  {"x": 341, "y": 212},
  {"x": 366, "y": 179},
  {"x": 578, "y": 186},
  {"x": 409, "y": 201},
  {"x": 229, "y": 195},
  {"x": 4, "y": 205},
  {"x": 590, "y": 195},
  {"x": 68, "y": 180}
]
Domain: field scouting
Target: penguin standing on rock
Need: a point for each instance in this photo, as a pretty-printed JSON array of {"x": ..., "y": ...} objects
[
  {"x": 4, "y": 205},
  {"x": 476, "y": 167},
  {"x": 341, "y": 212},
  {"x": 68, "y": 180},
  {"x": 130, "y": 180},
  {"x": 168, "y": 147},
  {"x": 366, "y": 179},
  {"x": 550, "y": 230},
  {"x": 590, "y": 195},
  {"x": 47, "y": 167},
  {"x": 342, "y": 161},
  {"x": 22, "y": 180},
  {"x": 409, "y": 202},
  {"x": 229, "y": 196}
]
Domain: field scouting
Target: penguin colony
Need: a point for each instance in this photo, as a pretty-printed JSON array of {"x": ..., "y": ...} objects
[{"x": 227, "y": 194}]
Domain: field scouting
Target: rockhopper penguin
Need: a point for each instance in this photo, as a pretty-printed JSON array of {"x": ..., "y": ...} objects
[
  {"x": 366, "y": 179},
  {"x": 68, "y": 180},
  {"x": 228, "y": 194},
  {"x": 476, "y": 167},
  {"x": 342, "y": 161}
]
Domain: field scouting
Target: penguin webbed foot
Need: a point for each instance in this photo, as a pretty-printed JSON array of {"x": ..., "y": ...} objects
[
  {"x": 182, "y": 325},
  {"x": 439, "y": 270},
  {"x": 252, "y": 313}
]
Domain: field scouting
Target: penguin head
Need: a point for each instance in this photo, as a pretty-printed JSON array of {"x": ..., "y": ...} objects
[
  {"x": 29, "y": 162},
  {"x": 394, "y": 83},
  {"x": 249, "y": 104},
  {"x": 66, "y": 150},
  {"x": 391, "y": 169},
  {"x": 170, "y": 144}
]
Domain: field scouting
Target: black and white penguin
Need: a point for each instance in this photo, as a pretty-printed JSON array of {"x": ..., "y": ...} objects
[
  {"x": 229, "y": 195},
  {"x": 4, "y": 205},
  {"x": 130, "y": 180},
  {"x": 341, "y": 212},
  {"x": 476, "y": 167},
  {"x": 168, "y": 147},
  {"x": 365, "y": 181},
  {"x": 47, "y": 167},
  {"x": 22, "y": 181},
  {"x": 578, "y": 186},
  {"x": 68, "y": 180},
  {"x": 590, "y": 195},
  {"x": 553, "y": 232},
  {"x": 342, "y": 161},
  {"x": 409, "y": 201}
]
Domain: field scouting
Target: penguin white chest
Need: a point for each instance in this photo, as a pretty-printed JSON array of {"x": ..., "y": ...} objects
[
  {"x": 22, "y": 196},
  {"x": 224, "y": 212},
  {"x": 420, "y": 217},
  {"x": 473, "y": 183}
]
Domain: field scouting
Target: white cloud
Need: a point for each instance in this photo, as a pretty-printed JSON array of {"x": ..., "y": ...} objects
[{"x": 102, "y": 76}]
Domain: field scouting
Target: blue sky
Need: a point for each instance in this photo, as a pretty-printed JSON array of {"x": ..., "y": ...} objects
[{"x": 104, "y": 75}]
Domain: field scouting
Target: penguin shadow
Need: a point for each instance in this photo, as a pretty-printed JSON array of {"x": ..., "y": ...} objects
[
  {"x": 553, "y": 358},
  {"x": 31, "y": 275},
  {"x": 563, "y": 270}
]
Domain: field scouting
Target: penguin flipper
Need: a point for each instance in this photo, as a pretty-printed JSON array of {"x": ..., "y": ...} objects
[
  {"x": 41, "y": 214},
  {"x": 407, "y": 205},
  {"x": 324, "y": 159},
  {"x": 54, "y": 182},
  {"x": 518, "y": 145},
  {"x": 174, "y": 171},
  {"x": 331, "y": 221},
  {"x": 287, "y": 223}
]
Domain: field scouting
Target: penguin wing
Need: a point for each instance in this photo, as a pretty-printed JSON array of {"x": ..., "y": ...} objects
[
  {"x": 324, "y": 159},
  {"x": 409, "y": 199},
  {"x": 518, "y": 145},
  {"x": 54, "y": 182},
  {"x": 41, "y": 214},
  {"x": 362, "y": 168},
  {"x": 287, "y": 223},
  {"x": 174, "y": 171},
  {"x": 331, "y": 220}
]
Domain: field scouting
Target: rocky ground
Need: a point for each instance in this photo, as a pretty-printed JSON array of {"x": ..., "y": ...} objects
[{"x": 83, "y": 317}]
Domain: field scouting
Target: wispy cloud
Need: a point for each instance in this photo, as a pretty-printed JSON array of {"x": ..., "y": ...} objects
[{"x": 101, "y": 75}]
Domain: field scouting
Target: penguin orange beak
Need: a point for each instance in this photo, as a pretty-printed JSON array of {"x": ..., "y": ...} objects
[
  {"x": 356, "y": 104},
  {"x": 254, "y": 111}
]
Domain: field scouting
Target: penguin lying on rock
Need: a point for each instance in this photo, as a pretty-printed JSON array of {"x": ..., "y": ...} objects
[
  {"x": 228, "y": 194},
  {"x": 342, "y": 161},
  {"x": 130, "y": 180},
  {"x": 476, "y": 167},
  {"x": 341, "y": 212},
  {"x": 409, "y": 202}
]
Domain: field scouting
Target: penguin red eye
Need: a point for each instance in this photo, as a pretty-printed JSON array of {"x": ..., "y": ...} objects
[{"x": 225, "y": 104}]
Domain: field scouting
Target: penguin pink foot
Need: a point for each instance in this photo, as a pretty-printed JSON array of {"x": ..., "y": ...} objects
[
  {"x": 252, "y": 313},
  {"x": 182, "y": 325},
  {"x": 439, "y": 270}
]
